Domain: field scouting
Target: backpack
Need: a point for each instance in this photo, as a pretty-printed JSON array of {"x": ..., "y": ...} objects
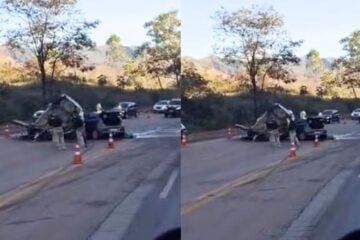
[
  {"x": 292, "y": 125},
  {"x": 77, "y": 122},
  {"x": 271, "y": 124},
  {"x": 54, "y": 121}
]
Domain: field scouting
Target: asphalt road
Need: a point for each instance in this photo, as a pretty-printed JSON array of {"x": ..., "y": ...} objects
[
  {"x": 161, "y": 211},
  {"x": 44, "y": 196},
  {"x": 342, "y": 216},
  {"x": 253, "y": 191}
]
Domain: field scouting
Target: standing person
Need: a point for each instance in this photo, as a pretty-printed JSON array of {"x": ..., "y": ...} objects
[
  {"x": 303, "y": 115},
  {"x": 292, "y": 131},
  {"x": 79, "y": 127},
  {"x": 273, "y": 129},
  {"x": 57, "y": 132},
  {"x": 99, "y": 108}
]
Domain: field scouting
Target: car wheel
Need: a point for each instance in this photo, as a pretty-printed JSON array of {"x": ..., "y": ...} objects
[
  {"x": 166, "y": 115},
  {"x": 302, "y": 136},
  {"x": 95, "y": 134}
]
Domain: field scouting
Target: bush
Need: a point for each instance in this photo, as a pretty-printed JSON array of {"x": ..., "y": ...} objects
[
  {"x": 216, "y": 111},
  {"x": 22, "y": 102}
]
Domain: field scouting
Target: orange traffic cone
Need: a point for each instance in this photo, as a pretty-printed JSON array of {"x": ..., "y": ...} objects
[
  {"x": 316, "y": 141},
  {"x": 7, "y": 131},
  {"x": 292, "y": 151},
  {"x": 111, "y": 144},
  {"x": 77, "y": 155},
  {"x": 229, "y": 133},
  {"x": 183, "y": 140}
]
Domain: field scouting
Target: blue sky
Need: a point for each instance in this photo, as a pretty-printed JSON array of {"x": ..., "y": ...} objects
[
  {"x": 320, "y": 23},
  {"x": 124, "y": 18}
]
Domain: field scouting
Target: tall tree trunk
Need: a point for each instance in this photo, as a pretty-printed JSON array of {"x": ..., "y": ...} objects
[
  {"x": 43, "y": 81},
  {"x": 159, "y": 81},
  {"x": 177, "y": 80},
  {"x": 354, "y": 92},
  {"x": 51, "y": 85},
  {"x": 254, "y": 88},
  {"x": 263, "y": 82}
]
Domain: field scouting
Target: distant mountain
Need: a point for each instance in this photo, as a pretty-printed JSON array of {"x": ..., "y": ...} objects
[
  {"x": 217, "y": 65},
  {"x": 96, "y": 56}
]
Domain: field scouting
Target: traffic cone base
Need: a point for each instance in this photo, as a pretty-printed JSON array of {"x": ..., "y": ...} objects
[
  {"x": 7, "y": 131},
  {"x": 77, "y": 156},
  {"x": 229, "y": 133},
  {"x": 292, "y": 154},
  {"x": 183, "y": 140},
  {"x": 316, "y": 142},
  {"x": 111, "y": 144}
]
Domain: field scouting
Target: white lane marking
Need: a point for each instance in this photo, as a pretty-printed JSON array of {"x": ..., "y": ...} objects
[
  {"x": 169, "y": 184},
  {"x": 158, "y": 136},
  {"x": 158, "y": 133},
  {"x": 310, "y": 216}
]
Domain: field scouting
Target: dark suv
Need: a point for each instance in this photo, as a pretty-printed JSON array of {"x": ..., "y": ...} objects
[
  {"x": 127, "y": 109},
  {"x": 331, "y": 116},
  {"x": 174, "y": 108}
]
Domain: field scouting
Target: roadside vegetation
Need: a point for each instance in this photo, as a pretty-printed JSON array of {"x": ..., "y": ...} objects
[
  {"x": 253, "y": 42},
  {"x": 21, "y": 102},
  {"x": 47, "y": 49}
]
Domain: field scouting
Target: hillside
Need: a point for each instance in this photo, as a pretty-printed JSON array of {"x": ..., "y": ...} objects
[
  {"x": 96, "y": 56},
  {"x": 12, "y": 66},
  {"x": 213, "y": 67}
]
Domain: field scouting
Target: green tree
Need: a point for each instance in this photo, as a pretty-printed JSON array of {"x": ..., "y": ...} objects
[
  {"x": 48, "y": 29},
  {"x": 253, "y": 38},
  {"x": 348, "y": 66},
  {"x": 102, "y": 80},
  {"x": 314, "y": 63},
  {"x": 115, "y": 52},
  {"x": 329, "y": 81},
  {"x": 134, "y": 72},
  {"x": 193, "y": 84},
  {"x": 162, "y": 53},
  {"x": 303, "y": 90}
]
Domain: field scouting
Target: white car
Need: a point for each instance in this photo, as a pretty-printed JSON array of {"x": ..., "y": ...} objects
[
  {"x": 161, "y": 106},
  {"x": 356, "y": 113}
]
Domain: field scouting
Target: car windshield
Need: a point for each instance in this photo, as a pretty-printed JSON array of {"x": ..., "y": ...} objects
[
  {"x": 175, "y": 102},
  {"x": 357, "y": 110},
  {"x": 124, "y": 104}
]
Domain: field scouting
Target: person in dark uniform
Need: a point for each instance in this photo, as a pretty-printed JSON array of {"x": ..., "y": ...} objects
[
  {"x": 273, "y": 130},
  {"x": 78, "y": 124},
  {"x": 56, "y": 128}
]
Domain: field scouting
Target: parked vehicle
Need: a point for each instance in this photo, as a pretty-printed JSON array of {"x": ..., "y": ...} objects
[
  {"x": 161, "y": 106},
  {"x": 98, "y": 125},
  {"x": 258, "y": 130},
  {"x": 331, "y": 116},
  {"x": 309, "y": 128},
  {"x": 127, "y": 109},
  {"x": 38, "y": 127},
  {"x": 174, "y": 108},
  {"x": 355, "y": 114}
]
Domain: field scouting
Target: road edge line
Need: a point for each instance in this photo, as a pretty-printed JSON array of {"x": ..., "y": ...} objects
[
  {"x": 116, "y": 223},
  {"x": 302, "y": 227}
]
